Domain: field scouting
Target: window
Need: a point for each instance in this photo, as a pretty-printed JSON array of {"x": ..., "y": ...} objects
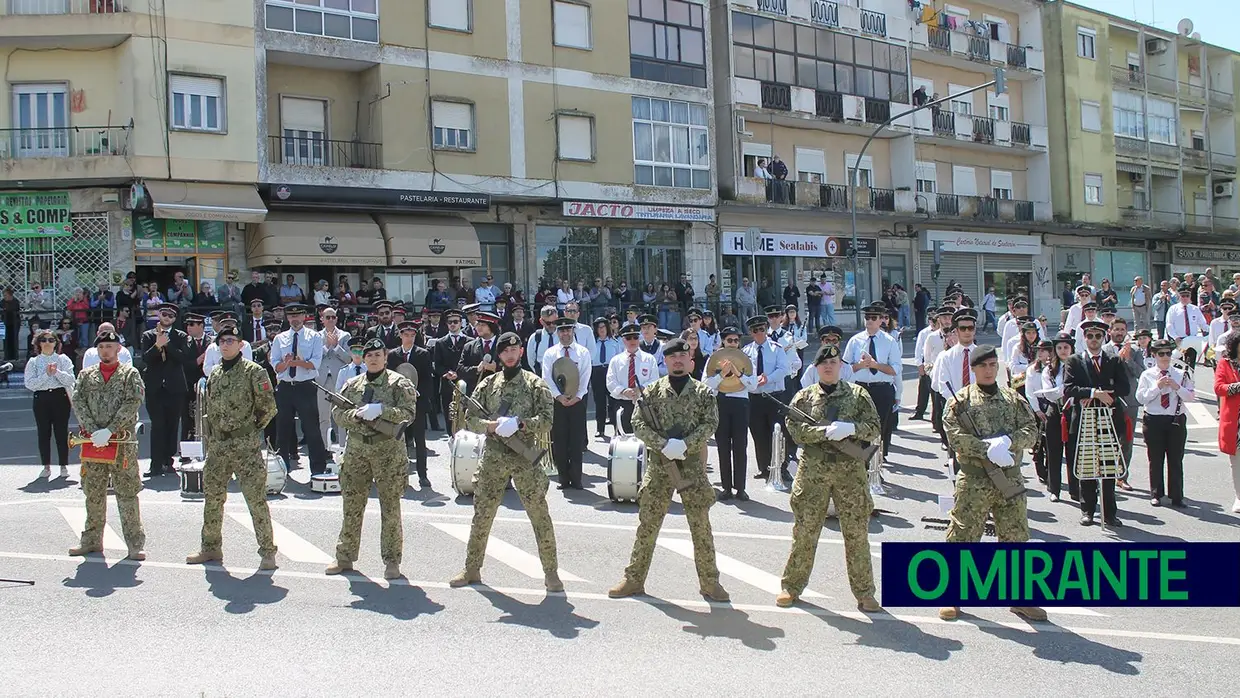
[
  {"x": 790, "y": 54},
  {"x": 41, "y": 115},
  {"x": 1160, "y": 121},
  {"x": 356, "y": 20},
  {"x": 865, "y": 171},
  {"x": 640, "y": 256},
  {"x": 1128, "y": 112},
  {"x": 964, "y": 181},
  {"x": 671, "y": 146},
  {"x": 567, "y": 252},
  {"x": 1001, "y": 184},
  {"x": 667, "y": 41},
  {"x": 999, "y": 106},
  {"x": 1199, "y": 140},
  {"x": 453, "y": 125},
  {"x": 1091, "y": 116},
  {"x": 304, "y": 129},
  {"x": 811, "y": 165},
  {"x": 927, "y": 177},
  {"x": 1093, "y": 189},
  {"x": 574, "y": 137},
  {"x": 450, "y": 14},
  {"x": 196, "y": 103},
  {"x": 572, "y": 25},
  {"x": 962, "y": 105},
  {"x": 1085, "y": 39}
]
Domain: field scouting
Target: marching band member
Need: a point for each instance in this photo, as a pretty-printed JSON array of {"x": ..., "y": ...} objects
[
  {"x": 195, "y": 354},
  {"x": 335, "y": 357},
  {"x": 212, "y": 358},
  {"x": 675, "y": 404},
  {"x": 827, "y": 334},
  {"x": 1133, "y": 361},
  {"x": 239, "y": 406},
  {"x": 706, "y": 341},
  {"x": 106, "y": 399},
  {"x": 371, "y": 458},
  {"x": 386, "y": 330},
  {"x": 936, "y": 344},
  {"x": 91, "y": 357},
  {"x": 409, "y": 352},
  {"x": 786, "y": 335},
  {"x": 629, "y": 370},
  {"x": 1016, "y": 328},
  {"x": 1033, "y": 384},
  {"x": 1089, "y": 314},
  {"x": 606, "y": 348},
  {"x": 731, "y": 437},
  {"x": 1220, "y": 349},
  {"x": 446, "y": 356},
  {"x": 770, "y": 365},
  {"x": 1076, "y": 313},
  {"x": 582, "y": 332},
  {"x": 254, "y": 331},
  {"x": 1185, "y": 320},
  {"x": 541, "y": 339},
  {"x": 1220, "y": 324},
  {"x": 165, "y": 351},
  {"x": 478, "y": 356},
  {"x": 650, "y": 342},
  {"x": 1022, "y": 350},
  {"x": 529, "y": 411},
  {"x": 827, "y": 474},
  {"x": 568, "y": 439},
  {"x": 1094, "y": 375},
  {"x": 923, "y": 376},
  {"x": 876, "y": 361},
  {"x": 1001, "y": 325},
  {"x": 296, "y": 355},
  {"x": 953, "y": 368},
  {"x": 1163, "y": 390},
  {"x": 355, "y": 367}
]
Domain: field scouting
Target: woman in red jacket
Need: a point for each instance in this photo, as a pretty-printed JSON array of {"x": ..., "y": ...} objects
[{"x": 1227, "y": 387}]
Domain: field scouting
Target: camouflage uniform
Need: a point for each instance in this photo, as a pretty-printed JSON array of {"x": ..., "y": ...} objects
[
  {"x": 696, "y": 414},
  {"x": 528, "y": 398},
  {"x": 373, "y": 457},
  {"x": 240, "y": 403},
  {"x": 1005, "y": 412},
  {"x": 827, "y": 474},
  {"x": 112, "y": 405}
]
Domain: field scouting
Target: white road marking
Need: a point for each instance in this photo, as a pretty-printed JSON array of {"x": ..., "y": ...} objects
[
  {"x": 1075, "y": 611},
  {"x": 291, "y": 545},
  {"x": 736, "y": 569},
  {"x": 76, "y": 517},
  {"x": 1201, "y": 415},
  {"x": 508, "y": 554}
]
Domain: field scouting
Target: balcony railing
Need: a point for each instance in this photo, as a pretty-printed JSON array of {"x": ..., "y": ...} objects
[
  {"x": 987, "y": 208},
  {"x": 1130, "y": 213},
  {"x": 979, "y": 49},
  {"x": 829, "y": 105},
  {"x": 71, "y": 142},
  {"x": 318, "y": 152},
  {"x": 776, "y": 96},
  {"x": 944, "y": 123},
  {"x": 825, "y": 12},
  {"x": 883, "y": 199},
  {"x": 1017, "y": 57},
  {"x": 1161, "y": 85},
  {"x": 947, "y": 205},
  {"x": 1226, "y": 224},
  {"x": 1022, "y": 133},
  {"x": 939, "y": 39},
  {"x": 1130, "y": 77},
  {"x": 1197, "y": 221},
  {"x": 983, "y": 129},
  {"x": 873, "y": 23},
  {"x": 1195, "y": 94},
  {"x": 66, "y": 7},
  {"x": 1195, "y": 158},
  {"x": 1162, "y": 151},
  {"x": 1024, "y": 211},
  {"x": 780, "y": 191},
  {"x": 1222, "y": 100},
  {"x": 1133, "y": 147},
  {"x": 834, "y": 196},
  {"x": 877, "y": 111},
  {"x": 1223, "y": 162}
]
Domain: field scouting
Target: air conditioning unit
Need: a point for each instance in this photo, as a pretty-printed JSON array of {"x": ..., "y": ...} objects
[
  {"x": 1223, "y": 189},
  {"x": 1136, "y": 177},
  {"x": 1156, "y": 46}
]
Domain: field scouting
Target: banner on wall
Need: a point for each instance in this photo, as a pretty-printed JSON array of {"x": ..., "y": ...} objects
[
  {"x": 771, "y": 244},
  {"x": 177, "y": 237},
  {"x": 981, "y": 243}
]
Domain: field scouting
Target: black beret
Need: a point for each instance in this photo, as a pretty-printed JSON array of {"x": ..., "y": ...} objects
[
  {"x": 506, "y": 340},
  {"x": 1064, "y": 338},
  {"x": 228, "y": 331},
  {"x": 982, "y": 353},
  {"x": 964, "y": 314},
  {"x": 729, "y": 332},
  {"x": 827, "y": 351},
  {"x": 407, "y": 325},
  {"x": 773, "y": 310},
  {"x": 374, "y": 344},
  {"x": 1163, "y": 345},
  {"x": 1095, "y": 325},
  {"x": 675, "y": 346},
  {"x": 757, "y": 321},
  {"x": 631, "y": 329},
  {"x": 106, "y": 336},
  {"x": 829, "y": 330},
  {"x": 294, "y": 308},
  {"x": 647, "y": 320},
  {"x": 565, "y": 323},
  {"x": 357, "y": 342}
]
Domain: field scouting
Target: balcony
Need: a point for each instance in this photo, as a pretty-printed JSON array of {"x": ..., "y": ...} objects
[
  {"x": 1130, "y": 213},
  {"x": 314, "y": 152},
  {"x": 830, "y": 105},
  {"x": 983, "y": 129},
  {"x": 877, "y": 111},
  {"x": 1022, "y": 133},
  {"x": 939, "y": 39},
  {"x": 1197, "y": 159},
  {"x": 944, "y": 123},
  {"x": 873, "y": 23},
  {"x": 1160, "y": 85},
  {"x": 833, "y": 197},
  {"x": 947, "y": 205},
  {"x": 1164, "y": 152},
  {"x": 965, "y": 49},
  {"x": 1023, "y": 211},
  {"x": 825, "y": 13},
  {"x": 1224, "y": 224},
  {"x": 1197, "y": 222},
  {"x": 76, "y": 152},
  {"x": 1223, "y": 162},
  {"x": 1224, "y": 101},
  {"x": 979, "y": 49},
  {"x": 77, "y": 24},
  {"x": 985, "y": 208},
  {"x": 1127, "y": 77},
  {"x": 1017, "y": 57},
  {"x": 65, "y": 7},
  {"x": 883, "y": 200},
  {"x": 1192, "y": 95},
  {"x": 775, "y": 96},
  {"x": 1132, "y": 147}
]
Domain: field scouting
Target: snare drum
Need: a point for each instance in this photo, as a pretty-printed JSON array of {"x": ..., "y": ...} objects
[
  {"x": 466, "y": 450},
  {"x": 325, "y": 483},
  {"x": 626, "y": 459},
  {"x": 191, "y": 479},
  {"x": 276, "y": 475}
]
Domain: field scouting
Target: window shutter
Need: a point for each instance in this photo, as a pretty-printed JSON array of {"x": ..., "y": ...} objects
[
  {"x": 928, "y": 171},
  {"x": 576, "y": 141},
  {"x": 809, "y": 160},
  {"x": 452, "y": 115},
  {"x": 1000, "y": 179},
  {"x": 303, "y": 114},
  {"x": 964, "y": 181},
  {"x": 192, "y": 85},
  {"x": 572, "y": 24}
]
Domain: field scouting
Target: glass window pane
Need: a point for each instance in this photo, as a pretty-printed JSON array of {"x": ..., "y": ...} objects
[
  {"x": 583, "y": 262},
  {"x": 701, "y": 147},
  {"x": 863, "y": 52},
  {"x": 742, "y": 60},
  {"x": 742, "y": 28},
  {"x": 807, "y": 73},
  {"x": 826, "y": 44},
  {"x": 844, "y": 79},
  {"x": 652, "y": 9},
  {"x": 213, "y": 112},
  {"x": 678, "y": 12},
  {"x": 280, "y": 18},
  {"x": 785, "y": 69},
  {"x": 663, "y": 176},
  {"x": 826, "y": 76},
  {"x": 882, "y": 55},
  {"x": 899, "y": 58},
  {"x": 695, "y": 16},
  {"x": 843, "y": 48},
  {"x": 370, "y": 6},
  {"x": 785, "y": 36},
  {"x": 899, "y": 88},
  {"x": 864, "y": 83},
  {"x": 682, "y": 178},
  {"x": 549, "y": 234},
  {"x": 692, "y": 47},
  {"x": 195, "y": 111},
  {"x": 697, "y": 114},
  {"x": 680, "y": 112},
  {"x": 338, "y": 26},
  {"x": 641, "y": 38},
  {"x": 763, "y": 65},
  {"x": 764, "y": 32},
  {"x": 805, "y": 40},
  {"x": 701, "y": 179},
  {"x": 178, "y": 110},
  {"x": 365, "y": 29},
  {"x": 659, "y": 110},
  {"x": 635, "y": 8},
  {"x": 660, "y": 40},
  {"x": 309, "y": 22},
  {"x": 643, "y": 142},
  {"x": 641, "y": 108},
  {"x": 584, "y": 235},
  {"x": 334, "y": 4},
  {"x": 882, "y": 85},
  {"x": 680, "y": 145},
  {"x": 662, "y": 144},
  {"x": 643, "y": 174}
]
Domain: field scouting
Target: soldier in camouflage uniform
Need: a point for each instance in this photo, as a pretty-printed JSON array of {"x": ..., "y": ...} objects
[
  {"x": 239, "y": 405},
  {"x": 826, "y": 473},
  {"x": 529, "y": 410},
  {"x": 677, "y": 405},
  {"x": 106, "y": 399},
  {"x": 1001, "y": 411},
  {"x": 371, "y": 457}
]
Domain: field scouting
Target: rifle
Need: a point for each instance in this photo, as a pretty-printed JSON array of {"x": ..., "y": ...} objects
[
  {"x": 848, "y": 448},
  {"x": 1008, "y": 488},
  {"x": 656, "y": 425},
  {"x": 381, "y": 426},
  {"x": 521, "y": 443}
]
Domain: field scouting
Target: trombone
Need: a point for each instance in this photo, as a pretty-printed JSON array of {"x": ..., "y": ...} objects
[{"x": 75, "y": 441}]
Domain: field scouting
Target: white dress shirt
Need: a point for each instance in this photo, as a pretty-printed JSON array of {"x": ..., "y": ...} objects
[
  {"x": 645, "y": 367},
  {"x": 949, "y": 371},
  {"x": 1003, "y": 322},
  {"x": 774, "y": 364},
  {"x": 1033, "y": 383},
  {"x": 213, "y": 358},
  {"x": 935, "y": 344},
  {"x": 1012, "y": 329},
  {"x": 91, "y": 357},
  {"x": 37, "y": 379},
  {"x": 580, "y": 356},
  {"x": 537, "y": 345},
  {"x": 887, "y": 351},
  {"x": 309, "y": 347},
  {"x": 1016, "y": 361},
  {"x": 706, "y": 342},
  {"x": 583, "y": 335},
  {"x": 1217, "y": 327},
  {"x": 347, "y": 373},
  {"x": 919, "y": 344},
  {"x": 1052, "y": 383},
  {"x": 562, "y": 296},
  {"x": 1075, "y": 314},
  {"x": 1175, "y": 321},
  {"x": 1079, "y": 333},
  {"x": 1150, "y": 395}
]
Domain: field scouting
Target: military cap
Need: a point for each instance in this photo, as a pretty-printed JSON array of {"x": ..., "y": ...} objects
[
  {"x": 374, "y": 344},
  {"x": 633, "y": 309},
  {"x": 790, "y": 306},
  {"x": 471, "y": 308},
  {"x": 757, "y": 321},
  {"x": 273, "y": 327},
  {"x": 827, "y": 351},
  {"x": 517, "y": 306},
  {"x": 600, "y": 320},
  {"x": 982, "y": 353},
  {"x": 1185, "y": 289},
  {"x": 452, "y": 313},
  {"x": 1047, "y": 345},
  {"x": 1020, "y": 303},
  {"x": 380, "y": 305},
  {"x": 106, "y": 336},
  {"x": 398, "y": 310},
  {"x": 1064, "y": 338},
  {"x": 1106, "y": 309},
  {"x": 1143, "y": 333},
  {"x": 565, "y": 323},
  {"x": 357, "y": 342},
  {"x": 1163, "y": 345},
  {"x": 170, "y": 307},
  {"x": 1227, "y": 304},
  {"x": 647, "y": 320},
  {"x": 964, "y": 314},
  {"x": 773, "y": 310},
  {"x": 665, "y": 335},
  {"x": 694, "y": 313},
  {"x": 1083, "y": 289},
  {"x": 944, "y": 310},
  {"x": 708, "y": 313},
  {"x": 434, "y": 311},
  {"x": 406, "y": 325},
  {"x": 489, "y": 318},
  {"x": 294, "y": 309},
  {"x": 194, "y": 318},
  {"x": 631, "y": 330},
  {"x": 729, "y": 332},
  {"x": 501, "y": 301},
  {"x": 826, "y": 330},
  {"x": 256, "y": 301},
  {"x": 321, "y": 306},
  {"x": 228, "y": 331},
  {"x": 874, "y": 309},
  {"x": 1095, "y": 325},
  {"x": 215, "y": 315},
  {"x": 1090, "y": 306},
  {"x": 507, "y": 339},
  {"x": 675, "y": 346},
  {"x": 1028, "y": 325}
]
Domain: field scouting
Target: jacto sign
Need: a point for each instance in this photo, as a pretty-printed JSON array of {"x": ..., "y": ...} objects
[
  {"x": 35, "y": 214},
  {"x": 649, "y": 212}
]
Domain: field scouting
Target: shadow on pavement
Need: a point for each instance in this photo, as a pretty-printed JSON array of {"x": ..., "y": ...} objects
[
  {"x": 888, "y": 632},
  {"x": 242, "y": 595},
  {"x": 1058, "y": 644},
  {"x": 43, "y": 486},
  {"x": 724, "y": 622},
  {"x": 400, "y": 600},
  {"x": 99, "y": 579},
  {"x": 554, "y": 614}
]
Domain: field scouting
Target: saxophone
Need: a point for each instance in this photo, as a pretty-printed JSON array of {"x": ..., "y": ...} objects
[{"x": 454, "y": 409}]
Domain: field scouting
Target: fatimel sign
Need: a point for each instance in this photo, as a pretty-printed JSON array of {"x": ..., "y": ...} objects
[{"x": 35, "y": 214}]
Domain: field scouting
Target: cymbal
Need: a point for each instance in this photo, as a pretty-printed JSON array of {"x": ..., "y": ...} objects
[
  {"x": 564, "y": 373},
  {"x": 740, "y": 361}
]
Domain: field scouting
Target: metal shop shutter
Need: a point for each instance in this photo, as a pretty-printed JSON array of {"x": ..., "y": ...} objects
[
  {"x": 1008, "y": 262},
  {"x": 962, "y": 267}
]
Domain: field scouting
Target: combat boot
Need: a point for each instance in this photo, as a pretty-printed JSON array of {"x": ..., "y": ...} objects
[
  {"x": 1029, "y": 613},
  {"x": 392, "y": 571},
  {"x": 949, "y": 613},
  {"x": 268, "y": 563},
  {"x": 340, "y": 567},
  {"x": 466, "y": 578},
  {"x": 785, "y": 599},
  {"x": 628, "y": 587},
  {"x": 85, "y": 550},
  {"x": 715, "y": 592},
  {"x": 552, "y": 581},
  {"x": 204, "y": 556},
  {"x": 136, "y": 554},
  {"x": 868, "y": 604}
]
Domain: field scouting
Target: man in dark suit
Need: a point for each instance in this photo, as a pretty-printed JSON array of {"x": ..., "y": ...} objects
[
  {"x": 253, "y": 328},
  {"x": 446, "y": 355},
  {"x": 517, "y": 323},
  {"x": 410, "y": 353},
  {"x": 479, "y": 359},
  {"x": 1096, "y": 376},
  {"x": 165, "y": 356},
  {"x": 387, "y": 327},
  {"x": 197, "y": 353}
]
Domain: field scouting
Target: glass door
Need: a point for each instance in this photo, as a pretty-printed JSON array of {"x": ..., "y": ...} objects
[{"x": 41, "y": 120}]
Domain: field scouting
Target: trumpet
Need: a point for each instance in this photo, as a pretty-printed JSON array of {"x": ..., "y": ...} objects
[{"x": 75, "y": 441}]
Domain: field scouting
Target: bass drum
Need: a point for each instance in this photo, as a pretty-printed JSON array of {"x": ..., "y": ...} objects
[
  {"x": 466, "y": 456},
  {"x": 626, "y": 461},
  {"x": 191, "y": 479},
  {"x": 277, "y": 477}
]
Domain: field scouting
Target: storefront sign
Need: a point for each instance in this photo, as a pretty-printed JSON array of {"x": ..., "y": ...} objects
[
  {"x": 212, "y": 236},
  {"x": 148, "y": 233},
  {"x": 1207, "y": 255},
  {"x": 178, "y": 236},
  {"x": 645, "y": 212},
  {"x": 357, "y": 198},
  {"x": 982, "y": 243},
  {"x": 34, "y": 214},
  {"x": 785, "y": 245}
]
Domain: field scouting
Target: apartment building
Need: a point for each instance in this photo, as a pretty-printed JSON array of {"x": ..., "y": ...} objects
[
  {"x": 809, "y": 81},
  {"x": 528, "y": 140},
  {"x": 1149, "y": 129},
  {"x": 129, "y": 141}
]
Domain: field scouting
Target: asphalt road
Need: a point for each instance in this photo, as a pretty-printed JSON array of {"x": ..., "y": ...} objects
[{"x": 106, "y": 626}]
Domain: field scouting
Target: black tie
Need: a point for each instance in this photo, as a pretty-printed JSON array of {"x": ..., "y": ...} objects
[
  {"x": 292, "y": 371},
  {"x": 602, "y": 346},
  {"x": 761, "y": 363},
  {"x": 357, "y": 370},
  {"x": 873, "y": 354}
]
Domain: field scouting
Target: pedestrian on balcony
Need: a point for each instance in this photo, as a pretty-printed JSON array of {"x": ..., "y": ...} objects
[
  {"x": 919, "y": 96},
  {"x": 760, "y": 169},
  {"x": 778, "y": 169},
  {"x": 1139, "y": 297}
]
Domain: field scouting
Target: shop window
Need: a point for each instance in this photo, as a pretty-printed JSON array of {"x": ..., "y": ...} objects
[
  {"x": 1120, "y": 267},
  {"x": 1007, "y": 284},
  {"x": 641, "y": 256},
  {"x": 567, "y": 252}
]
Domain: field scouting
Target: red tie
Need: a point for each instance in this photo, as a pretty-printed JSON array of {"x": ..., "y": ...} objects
[
  {"x": 1166, "y": 397},
  {"x": 1187, "y": 331},
  {"x": 632, "y": 370},
  {"x": 965, "y": 368},
  {"x": 486, "y": 347},
  {"x": 1098, "y": 363},
  {"x": 566, "y": 352}
]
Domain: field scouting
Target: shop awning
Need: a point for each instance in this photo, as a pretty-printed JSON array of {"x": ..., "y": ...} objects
[
  {"x": 430, "y": 241},
  {"x": 234, "y": 203},
  {"x": 315, "y": 239}
]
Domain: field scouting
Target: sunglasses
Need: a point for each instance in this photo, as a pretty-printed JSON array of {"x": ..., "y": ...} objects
[
  {"x": 965, "y": 328},
  {"x": 228, "y": 340},
  {"x": 1094, "y": 335},
  {"x": 868, "y": 318},
  {"x": 1162, "y": 353},
  {"x": 47, "y": 340}
]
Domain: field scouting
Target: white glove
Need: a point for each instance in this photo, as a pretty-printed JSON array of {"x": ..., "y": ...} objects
[
  {"x": 675, "y": 449},
  {"x": 370, "y": 412},
  {"x": 836, "y": 431},
  {"x": 100, "y": 437},
  {"x": 507, "y": 426},
  {"x": 999, "y": 452}
]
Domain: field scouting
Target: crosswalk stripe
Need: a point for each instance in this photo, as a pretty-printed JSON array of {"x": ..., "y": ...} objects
[
  {"x": 76, "y": 517},
  {"x": 1201, "y": 414},
  {"x": 509, "y": 554},
  {"x": 291, "y": 545},
  {"x": 1074, "y": 611},
  {"x": 736, "y": 569}
]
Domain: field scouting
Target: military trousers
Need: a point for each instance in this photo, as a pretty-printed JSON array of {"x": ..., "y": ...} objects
[
  {"x": 815, "y": 487},
  {"x": 489, "y": 484},
  {"x": 127, "y": 483},
  {"x": 655, "y": 496},
  {"x": 976, "y": 496},
  {"x": 225, "y": 458},
  {"x": 387, "y": 467}
]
